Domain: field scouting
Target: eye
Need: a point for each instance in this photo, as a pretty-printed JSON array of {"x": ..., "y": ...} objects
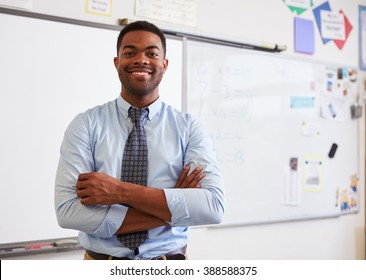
[
  {"x": 152, "y": 54},
  {"x": 128, "y": 54}
]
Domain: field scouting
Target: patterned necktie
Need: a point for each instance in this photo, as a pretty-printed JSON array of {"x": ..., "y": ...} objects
[{"x": 134, "y": 167}]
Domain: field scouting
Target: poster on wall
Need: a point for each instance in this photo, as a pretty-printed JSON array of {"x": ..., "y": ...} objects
[
  {"x": 20, "y": 4},
  {"x": 182, "y": 12},
  {"x": 362, "y": 36},
  {"x": 333, "y": 26},
  {"x": 99, "y": 7}
]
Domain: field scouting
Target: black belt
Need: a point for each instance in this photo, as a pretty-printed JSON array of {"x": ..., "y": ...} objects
[{"x": 100, "y": 256}]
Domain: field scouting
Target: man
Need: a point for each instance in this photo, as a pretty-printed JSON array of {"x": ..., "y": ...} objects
[{"x": 90, "y": 194}]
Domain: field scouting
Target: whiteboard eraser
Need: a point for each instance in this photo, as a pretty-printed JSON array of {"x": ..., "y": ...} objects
[
  {"x": 333, "y": 150},
  {"x": 124, "y": 21},
  {"x": 66, "y": 243}
]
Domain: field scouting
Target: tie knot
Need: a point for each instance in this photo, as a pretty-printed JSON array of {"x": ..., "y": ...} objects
[{"x": 138, "y": 115}]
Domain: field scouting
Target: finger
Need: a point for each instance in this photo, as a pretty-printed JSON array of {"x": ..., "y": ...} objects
[
  {"x": 81, "y": 185},
  {"x": 188, "y": 180},
  {"x": 191, "y": 180},
  {"x": 182, "y": 176},
  {"x": 85, "y": 180},
  {"x": 195, "y": 182},
  {"x": 82, "y": 194},
  {"x": 84, "y": 201},
  {"x": 84, "y": 176}
]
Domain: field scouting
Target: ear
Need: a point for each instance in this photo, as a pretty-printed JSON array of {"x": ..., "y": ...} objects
[
  {"x": 115, "y": 61},
  {"x": 165, "y": 64}
]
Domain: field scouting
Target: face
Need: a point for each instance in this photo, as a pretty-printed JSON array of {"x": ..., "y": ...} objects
[{"x": 140, "y": 65}]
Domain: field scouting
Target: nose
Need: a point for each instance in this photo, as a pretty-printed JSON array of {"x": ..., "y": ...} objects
[{"x": 141, "y": 58}]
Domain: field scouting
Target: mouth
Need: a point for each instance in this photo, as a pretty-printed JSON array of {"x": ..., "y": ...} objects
[{"x": 140, "y": 72}]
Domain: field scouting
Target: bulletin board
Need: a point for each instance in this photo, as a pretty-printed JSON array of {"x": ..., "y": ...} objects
[{"x": 274, "y": 121}]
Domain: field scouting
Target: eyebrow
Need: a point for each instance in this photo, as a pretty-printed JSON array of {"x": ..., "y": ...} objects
[{"x": 147, "y": 48}]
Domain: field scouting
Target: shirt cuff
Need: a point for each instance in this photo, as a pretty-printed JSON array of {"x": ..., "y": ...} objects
[
  {"x": 112, "y": 221},
  {"x": 177, "y": 205}
]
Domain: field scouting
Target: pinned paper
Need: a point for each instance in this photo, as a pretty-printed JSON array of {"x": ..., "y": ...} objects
[
  {"x": 304, "y": 36},
  {"x": 329, "y": 110},
  {"x": 354, "y": 182},
  {"x": 333, "y": 110},
  {"x": 313, "y": 173},
  {"x": 291, "y": 192},
  {"x": 331, "y": 79},
  {"x": 310, "y": 129},
  {"x": 349, "y": 197},
  {"x": 302, "y": 102},
  {"x": 299, "y": 6}
]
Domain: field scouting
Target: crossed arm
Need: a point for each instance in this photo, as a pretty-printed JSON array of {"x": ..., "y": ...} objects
[
  {"x": 94, "y": 206},
  {"x": 148, "y": 206}
]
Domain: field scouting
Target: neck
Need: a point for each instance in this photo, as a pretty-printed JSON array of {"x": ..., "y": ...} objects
[{"x": 140, "y": 101}]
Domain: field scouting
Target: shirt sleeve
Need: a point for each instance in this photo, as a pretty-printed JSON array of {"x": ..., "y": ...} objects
[
  {"x": 203, "y": 206},
  {"x": 76, "y": 157}
]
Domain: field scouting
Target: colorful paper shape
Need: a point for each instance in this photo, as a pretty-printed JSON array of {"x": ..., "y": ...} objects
[
  {"x": 304, "y": 36},
  {"x": 348, "y": 28},
  {"x": 297, "y": 9},
  {"x": 325, "y": 6}
]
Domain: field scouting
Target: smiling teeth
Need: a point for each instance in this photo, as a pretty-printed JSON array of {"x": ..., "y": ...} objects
[{"x": 140, "y": 73}]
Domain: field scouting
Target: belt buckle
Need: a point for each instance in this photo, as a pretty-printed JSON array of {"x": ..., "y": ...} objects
[
  {"x": 171, "y": 257},
  {"x": 160, "y": 258}
]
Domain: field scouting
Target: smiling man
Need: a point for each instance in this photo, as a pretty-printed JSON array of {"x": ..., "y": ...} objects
[
  {"x": 141, "y": 80},
  {"x": 136, "y": 169}
]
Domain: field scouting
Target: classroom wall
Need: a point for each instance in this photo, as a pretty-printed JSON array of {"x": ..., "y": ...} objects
[{"x": 264, "y": 21}]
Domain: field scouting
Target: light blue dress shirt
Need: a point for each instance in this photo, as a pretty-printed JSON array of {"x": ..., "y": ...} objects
[{"x": 94, "y": 142}]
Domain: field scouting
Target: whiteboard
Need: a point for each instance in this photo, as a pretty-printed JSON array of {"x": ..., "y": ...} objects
[
  {"x": 261, "y": 111},
  {"x": 50, "y": 71}
]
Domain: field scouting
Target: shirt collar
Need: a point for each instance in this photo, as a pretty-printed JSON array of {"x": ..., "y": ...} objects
[{"x": 123, "y": 106}]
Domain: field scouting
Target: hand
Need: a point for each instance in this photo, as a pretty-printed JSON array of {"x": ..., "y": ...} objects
[
  {"x": 97, "y": 189},
  {"x": 192, "y": 180}
]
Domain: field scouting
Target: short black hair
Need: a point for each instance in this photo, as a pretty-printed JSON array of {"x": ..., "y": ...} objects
[{"x": 141, "y": 26}]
